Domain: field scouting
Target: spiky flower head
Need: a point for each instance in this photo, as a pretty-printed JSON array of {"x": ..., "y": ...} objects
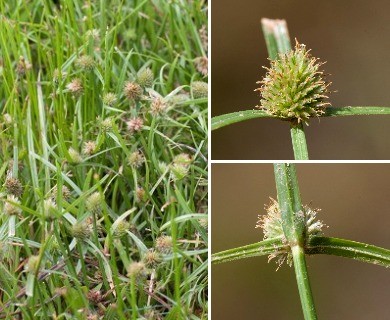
[
  {"x": 140, "y": 194},
  {"x": 75, "y": 156},
  {"x": 66, "y": 193},
  {"x": 164, "y": 244},
  {"x": 136, "y": 269},
  {"x": 10, "y": 206},
  {"x": 293, "y": 88},
  {"x": 109, "y": 99},
  {"x": 85, "y": 62},
  {"x": 180, "y": 166},
  {"x": 157, "y": 107},
  {"x": 106, "y": 124},
  {"x": 136, "y": 159},
  {"x": 13, "y": 186},
  {"x": 94, "y": 34},
  {"x": 75, "y": 87},
  {"x": 199, "y": 89},
  {"x": 201, "y": 64},
  {"x": 49, "y": 208},
  {"x": 94, "y": 203},
  {"x": 135, "y": 124},
  {"x": 121, "y": 228},
  {"x": 183, "y": 159},
  {"x": 82, "y": 229},
  {"x": 22, "y": 66},
  {"x": 89, "y": 147},
  {"x": 152, "y": 258},
  {"x": 145, "y": 77},
  {"x": 132, "y": 91},
  {"x": 272, "y": 228}
]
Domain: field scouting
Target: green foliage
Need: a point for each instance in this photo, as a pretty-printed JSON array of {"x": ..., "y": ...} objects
[{"x": 67, "y": 123}]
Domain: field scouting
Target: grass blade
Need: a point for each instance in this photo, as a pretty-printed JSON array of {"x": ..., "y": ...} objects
[
  {"x": 230, "y": 118},
  {"x": 224, "y": 120},
  {"x": 253, "y": 250},
  {"x": 349, "y": 249}
]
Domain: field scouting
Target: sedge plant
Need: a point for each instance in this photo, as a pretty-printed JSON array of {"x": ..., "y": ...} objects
[
  {"x": 293, "y": 90},
  {"x": 292, "y": 231},
  {"x": 103, "y": 159}
]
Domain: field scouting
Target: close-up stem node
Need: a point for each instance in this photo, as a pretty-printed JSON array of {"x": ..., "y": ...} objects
[{"x": 271, "y": 224}]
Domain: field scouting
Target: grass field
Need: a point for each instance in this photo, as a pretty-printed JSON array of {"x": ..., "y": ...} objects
[{"x": 103, "y": 159}]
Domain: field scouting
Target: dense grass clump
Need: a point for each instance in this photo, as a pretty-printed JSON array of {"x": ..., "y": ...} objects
[{"x": 103, "y": 159}]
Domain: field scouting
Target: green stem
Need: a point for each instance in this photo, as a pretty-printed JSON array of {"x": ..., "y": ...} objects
[
  {"x": 290, "y": 204},
  {"x": 299, "y": 142},
  {"x": 304, "y": 288}
]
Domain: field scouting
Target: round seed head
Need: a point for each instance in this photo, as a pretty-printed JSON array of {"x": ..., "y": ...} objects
[
  {"x": 199, "y": 89},
  {"x": 145, "y": 77},
  {"x": 94, "y": 34},
  {"x": 121, "y": 229},
  {"x": 13, "y": 186},
  {"x": 82, "y": 230},
  {"x": 178, "y": 171},
  {"x": 94, "y": 203},
  {"x": 131, "y": 34},
  {"x": 164, "y": 244},
  {"x": 22, "y": 66},
  {"x": 109, "y": 99},
  {"x": 140, "y": 194},
  {"x": 135, "y": 124},
  {"x": 10, "y": 206},
  {"x": 66, "y": 193},
  {"x": 85, "y": 62},
  {"x": 89, "y": 148},
  {"x": 136, "y": 159},
  {"x": 293, "y": 88},
  {"x": 136, "y": 269},
  {"x": 75, "y": 156},
  {"x": 157, "y": 107},
  {"x": 49, "y": 208},
  {"x": 183, "y": 159},
  {"x": 201, "y": 64},
  {"x": 151, "y": 258},
  {"x": 75, "y": 87},
  {"x": 7, "y": 118},
  {"x": 107, "y": 124},
  {"x": 132, "y": 91}
]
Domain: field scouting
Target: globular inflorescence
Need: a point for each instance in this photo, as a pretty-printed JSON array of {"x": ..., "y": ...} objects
[
  {"x": 272, "y": 228},
  {"x": 294, "y": 88}
]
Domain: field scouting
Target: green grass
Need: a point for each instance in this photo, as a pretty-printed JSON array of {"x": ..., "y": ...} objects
[{"x": 129, "y": 239}]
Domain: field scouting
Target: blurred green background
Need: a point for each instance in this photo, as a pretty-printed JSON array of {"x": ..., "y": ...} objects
[
  {"x": 355, "y": 204},
  {"x": 352, "y": 36}
]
